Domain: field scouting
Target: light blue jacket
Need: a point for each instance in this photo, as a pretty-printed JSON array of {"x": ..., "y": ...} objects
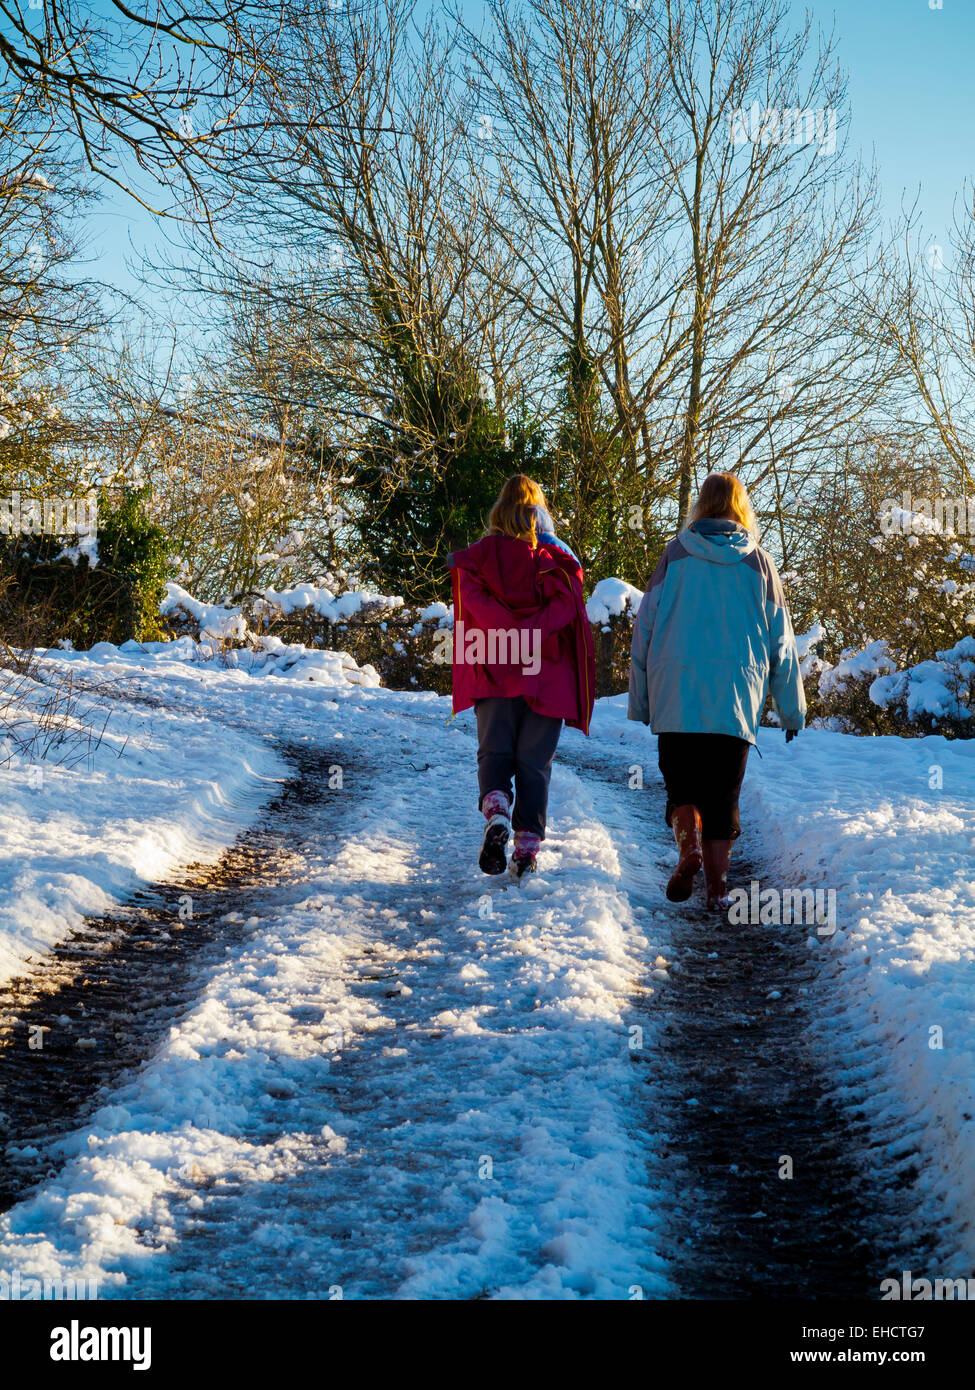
[{"x": 712, "y": 637}]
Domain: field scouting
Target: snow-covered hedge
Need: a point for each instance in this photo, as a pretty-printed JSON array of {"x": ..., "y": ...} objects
[
  {"x": 896, "y": 611},
  {"x": 934, "y": 696},
  {"x": 378, "y": 632},
  {"x": 866, "y": 692},
  {"x": 874, "y": 660},
  {"x": 613, "y": 598},
  {"x": 403, "y": 644},
  {"x": 257, "y": 611},
  {"x": 208, "y": 620}
]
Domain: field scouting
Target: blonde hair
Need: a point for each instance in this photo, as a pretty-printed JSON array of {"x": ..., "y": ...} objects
[
  {"x": 725, "y": 495},
  {"x": 514, "y": 513}
]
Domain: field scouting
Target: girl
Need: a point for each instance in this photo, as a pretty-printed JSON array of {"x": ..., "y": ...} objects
[
  {"x": 523, "y": 657},
  {"x": 711, "y": 639}
]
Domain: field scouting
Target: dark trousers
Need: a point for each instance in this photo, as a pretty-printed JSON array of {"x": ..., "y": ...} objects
[
  {"x": 514, "y": 741},
  {"x": 706, "y": 771}
]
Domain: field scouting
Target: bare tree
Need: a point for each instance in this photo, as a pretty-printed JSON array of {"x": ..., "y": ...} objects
[
  {"x": 693, "y": 239},
  {"x": 158, "y": 89},
  {"x": 362, "y": 218},
  {"x": 776, "y": 228},
  {"x": 923, "y": 308},
  {"x": 246, "y": 494},
  {"x": 570, "y": 97},
  {"x": 49, "y": 309},
  {"x": 642, "y": 221}
]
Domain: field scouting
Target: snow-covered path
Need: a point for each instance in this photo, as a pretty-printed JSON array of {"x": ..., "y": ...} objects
[
  {"x": 385, "y": 1076},
  {"x": 405, "y": 1082}
]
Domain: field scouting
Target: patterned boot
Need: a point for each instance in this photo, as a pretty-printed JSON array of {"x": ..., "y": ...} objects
[
  {"x": 526, "y": 851},
  {"x": 496, "y": 807}
]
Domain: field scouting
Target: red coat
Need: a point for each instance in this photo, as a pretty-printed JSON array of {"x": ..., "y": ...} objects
[{"x": 520, "y": 628}]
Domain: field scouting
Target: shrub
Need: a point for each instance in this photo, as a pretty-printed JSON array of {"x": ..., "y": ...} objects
[
  {"x": 135, "y": 549},
  {"x": 102, "y": 589}
]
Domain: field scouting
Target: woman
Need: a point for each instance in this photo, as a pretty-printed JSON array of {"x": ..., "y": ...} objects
[
  {"x": 712, "y": 638},
  {"x": 523, "y": 657}
]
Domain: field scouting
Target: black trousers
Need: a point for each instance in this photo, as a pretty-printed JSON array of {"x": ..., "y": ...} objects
[
  {"x": 706, "y": 771},
  {"x": 514, "y": 741}
]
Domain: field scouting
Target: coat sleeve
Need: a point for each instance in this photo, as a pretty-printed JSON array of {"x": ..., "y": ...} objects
[
  {"x": 785, "y": 677},
  {"x": 638, "y": 704}
]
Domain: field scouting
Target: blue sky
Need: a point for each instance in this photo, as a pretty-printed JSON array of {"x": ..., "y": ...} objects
[
  {"x": 913, "y": 108},
  {"x": 912, "y": 95}
]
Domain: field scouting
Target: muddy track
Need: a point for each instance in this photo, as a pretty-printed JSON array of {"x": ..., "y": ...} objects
[
  {"x": 758, "y": 1103},
  {"x": 746, "y": 1084},
  {"x": 107, "y": 995}
]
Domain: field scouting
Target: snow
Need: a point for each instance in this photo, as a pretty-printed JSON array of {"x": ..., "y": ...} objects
[
  {"x": 932, "y": 687},
  {"x": 810, "y": 664},
  {"x": 270, "y": 656},
  {"x": 901, "y": 521},
  {"x": 512, "y": 1008},
  {"x": 874, "y": 660},
  {"x": 887, "y": 823},
  {"x": 611, "y": 597},
  {"x": 437, "y": 612},
  {"x": 224, "y": 622},
  {"x": 161, "y": 789},
  {"x": 805, "y": 641},
  {"x": 86, "y": 548},
  {"x": 214, "y": 619},
  {"x": 335, "y": 608},
  {"x": 405, "y": 1081}
]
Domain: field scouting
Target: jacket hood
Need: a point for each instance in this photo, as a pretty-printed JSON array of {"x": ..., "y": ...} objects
[{"x": 721, "y": 542}]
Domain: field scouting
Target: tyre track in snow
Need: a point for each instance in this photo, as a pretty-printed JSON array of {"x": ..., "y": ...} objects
[
  {"x": 746, "y": 1081},
  {"x": 740, "y": 1079},
  {"x": 103, "y": 998}
]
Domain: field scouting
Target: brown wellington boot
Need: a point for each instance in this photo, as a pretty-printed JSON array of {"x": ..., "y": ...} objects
[
  {"x": 717, "y": 856},
  {"x": 686, "y": 822}
]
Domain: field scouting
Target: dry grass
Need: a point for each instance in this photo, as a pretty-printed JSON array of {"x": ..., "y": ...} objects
[{"x": 42, "y": 716}]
